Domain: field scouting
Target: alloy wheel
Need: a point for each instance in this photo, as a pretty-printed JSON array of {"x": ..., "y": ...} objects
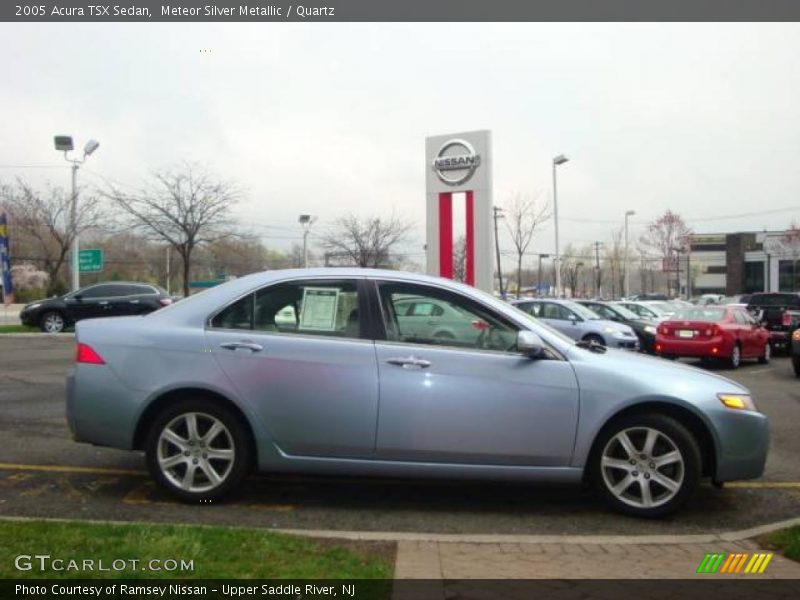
[
  {"x": 53, "y": 323},
  {"x": 196, "y": 452},
  {"x": 642, "y": 467}
]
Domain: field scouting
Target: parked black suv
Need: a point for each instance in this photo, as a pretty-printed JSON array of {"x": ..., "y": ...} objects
[
  {"x": 780, "y": 314},
  {"x": 115, "y": 299}
]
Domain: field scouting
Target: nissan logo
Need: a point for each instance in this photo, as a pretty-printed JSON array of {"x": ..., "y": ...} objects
[{"x": 456, "y": 162}]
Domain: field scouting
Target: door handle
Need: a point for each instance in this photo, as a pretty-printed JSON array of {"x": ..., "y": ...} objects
[
  {"x": 243, "y": 345},
  {"x": 410, "y": 361},
  {"x": 103, "y": 302}
]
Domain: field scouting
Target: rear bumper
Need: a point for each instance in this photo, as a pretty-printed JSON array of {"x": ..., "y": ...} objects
[
  {"x": 694, "y": 348},
  {"x": 100, "y": 409},
  {"x": 780, "y": 339}
]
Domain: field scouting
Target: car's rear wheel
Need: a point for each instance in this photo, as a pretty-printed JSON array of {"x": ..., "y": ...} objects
[
  {"x": 198, "y": 450},
  {"x": 765, "y": 358},
  {"x": 736, "y": 357},
  {"x": 52, "y": 322},
  {"x": 646, "y": 465}
]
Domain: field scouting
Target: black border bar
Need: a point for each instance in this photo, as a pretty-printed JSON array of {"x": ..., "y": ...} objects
[{"x": 227, "y": 11}]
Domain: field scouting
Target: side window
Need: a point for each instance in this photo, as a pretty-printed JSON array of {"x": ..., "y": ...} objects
[
  {"x": 604, "y": 312},
  {"x": 97, "y": 291},
  {"x": 532, "y": 308},
  {"x": 553, "y": 311},
  {"x": 238, "y": 315},
  {"x": 327, "y": 308},
  {"x": 739, "y": 318},
  {"x": 460, "y": 322}
]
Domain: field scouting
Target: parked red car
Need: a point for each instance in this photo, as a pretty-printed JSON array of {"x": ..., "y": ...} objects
[{"x": 713, "y": 332}]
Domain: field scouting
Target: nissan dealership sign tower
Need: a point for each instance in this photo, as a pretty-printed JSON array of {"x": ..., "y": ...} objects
[{"x": 458, "y": 168}]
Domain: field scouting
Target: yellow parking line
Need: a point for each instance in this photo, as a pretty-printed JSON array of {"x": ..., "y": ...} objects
[{"x": 70, "y": 469}]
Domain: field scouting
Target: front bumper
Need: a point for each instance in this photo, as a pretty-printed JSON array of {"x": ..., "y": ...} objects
[
  {"x": 743, "y": 444},
  {"x": 625, "y": 343},
  {"x": 28, "y": 317},
  {"x": 779, "y": 339}
]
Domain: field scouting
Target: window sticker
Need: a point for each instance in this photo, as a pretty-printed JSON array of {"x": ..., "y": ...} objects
[{"x": 319, "y": 309}]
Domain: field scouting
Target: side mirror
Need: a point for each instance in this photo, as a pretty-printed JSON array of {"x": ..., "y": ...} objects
[
  {"x": 529, "y": 344},
  {"x": 573, "y": 318}
]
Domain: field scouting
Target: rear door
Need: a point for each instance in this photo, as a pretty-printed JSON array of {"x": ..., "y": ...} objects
[{"x": 298, "y": 353}]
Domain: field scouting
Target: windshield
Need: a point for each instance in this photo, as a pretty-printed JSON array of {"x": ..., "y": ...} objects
[
  {"x": 623, "y": 312},
  {"x": 581, "y": 311},
  {"x": 699, "y": 314}
]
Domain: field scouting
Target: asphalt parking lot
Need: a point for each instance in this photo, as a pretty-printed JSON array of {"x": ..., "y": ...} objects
[{"x": 44, "y": 474}]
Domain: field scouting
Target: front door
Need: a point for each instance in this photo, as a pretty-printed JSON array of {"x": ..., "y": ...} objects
[
  {"x": 295, "y": 353},
  {"x": 470, "y": 398}
]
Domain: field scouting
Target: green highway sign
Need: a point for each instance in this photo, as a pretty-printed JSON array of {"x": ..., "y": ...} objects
[{"x": 90, "y": 261}]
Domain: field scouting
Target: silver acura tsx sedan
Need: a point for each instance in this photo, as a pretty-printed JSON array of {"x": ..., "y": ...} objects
[{"x": 352, "y": 378}]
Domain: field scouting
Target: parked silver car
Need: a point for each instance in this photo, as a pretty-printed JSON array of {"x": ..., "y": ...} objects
[
  {"x": 215, "y": 385},
  {"x": 580, "y": 323}
]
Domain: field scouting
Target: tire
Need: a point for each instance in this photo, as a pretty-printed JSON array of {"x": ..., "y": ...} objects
[
  {"x": 767, "y": 354},
  {"x": 52, "y": 322},
  {"x": 212, "y": 477},
  {"x": 593, "y": 337},
  {"x": 736, "y": 356},
  {"x": 670, "y": 485}
]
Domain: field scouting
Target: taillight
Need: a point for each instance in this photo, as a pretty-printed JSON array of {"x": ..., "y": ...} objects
[
  {"x": 712, "y": 331},
  {"x": 663, "y": 330},
  {"x": 84, "y": 353},
  {"x": 787, "y": 319},
  {"x": 165, "y": 301}
]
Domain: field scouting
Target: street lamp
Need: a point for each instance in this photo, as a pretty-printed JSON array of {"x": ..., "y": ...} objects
[
  {"x": 306, "y": 221},
  {"x": 558, "y": 160},
  {"x": 628, "y": 213},
  {"x": 63, "y": 143}
]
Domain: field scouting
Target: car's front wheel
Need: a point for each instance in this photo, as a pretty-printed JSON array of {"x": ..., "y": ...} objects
[
  {"x": 52, "y": 322},
  {"x": 646, "y": 465},
  {"x": 198, "y": 450}
]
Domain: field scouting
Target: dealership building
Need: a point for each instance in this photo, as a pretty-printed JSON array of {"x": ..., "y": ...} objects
[{"x": 744, "y": 262}]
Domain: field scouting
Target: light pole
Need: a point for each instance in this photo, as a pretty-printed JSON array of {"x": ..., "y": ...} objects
[
  {"x": 628, "y": 213},
  {"x": 558, "y": 160},
  {"x": 63, "y": 143},
  {"x": 498, "y": 214},
  {"x": 306, "y": 221}
]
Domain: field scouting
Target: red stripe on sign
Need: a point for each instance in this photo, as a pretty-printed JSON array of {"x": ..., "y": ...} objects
[
  {"x": 470, "y": 249},
  {"x": 446, "y": 235}
]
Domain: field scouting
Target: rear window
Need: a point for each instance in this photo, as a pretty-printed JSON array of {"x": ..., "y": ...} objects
[{"x": 700, "y": 314}]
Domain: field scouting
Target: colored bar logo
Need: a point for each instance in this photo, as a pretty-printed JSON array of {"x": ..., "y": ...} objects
[{"x": 746, "y": 563}]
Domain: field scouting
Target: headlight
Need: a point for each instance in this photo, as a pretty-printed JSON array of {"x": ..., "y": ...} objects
[
  {"x": 650, "y": 329},
  {"x": 34, "y": 305},
  {"x": 737, "y": 401}
]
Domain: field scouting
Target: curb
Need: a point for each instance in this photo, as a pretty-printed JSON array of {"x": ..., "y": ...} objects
[{"x": 390, "y": 536}]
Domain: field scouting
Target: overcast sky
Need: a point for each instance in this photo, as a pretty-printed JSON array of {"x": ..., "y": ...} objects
[{"x": 331, "y": 118}]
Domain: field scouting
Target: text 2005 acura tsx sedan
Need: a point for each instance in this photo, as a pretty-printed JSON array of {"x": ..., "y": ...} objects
[{"x": 342, "y": 371}]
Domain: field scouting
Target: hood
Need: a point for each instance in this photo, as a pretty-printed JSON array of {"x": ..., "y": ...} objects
[
  {"x": 647, "y": 375},
  {"x": 602, "y": 324}
]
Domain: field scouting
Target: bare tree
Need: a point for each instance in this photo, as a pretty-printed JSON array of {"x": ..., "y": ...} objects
[
  {"x": 44, "y": 219},
  {"x": 615, "y": 259},
  {"x": 664, "y": 236},
  {"x": 368, "y": 242},
  {"x": 523, "y": 216},
  {"x": 460, "y": 259},
  {"x": 185, "y": 207},
  {"x": 571, "y": 263}
]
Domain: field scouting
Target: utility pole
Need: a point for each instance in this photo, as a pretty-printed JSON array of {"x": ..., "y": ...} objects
[
  {"x": 167, "y": 286},
  {"x": 598, "y": 280},
  {"x": 306, "y": 221},
  {"x": 626, "y": 291},
  {"x": 498, "y": 214}
]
